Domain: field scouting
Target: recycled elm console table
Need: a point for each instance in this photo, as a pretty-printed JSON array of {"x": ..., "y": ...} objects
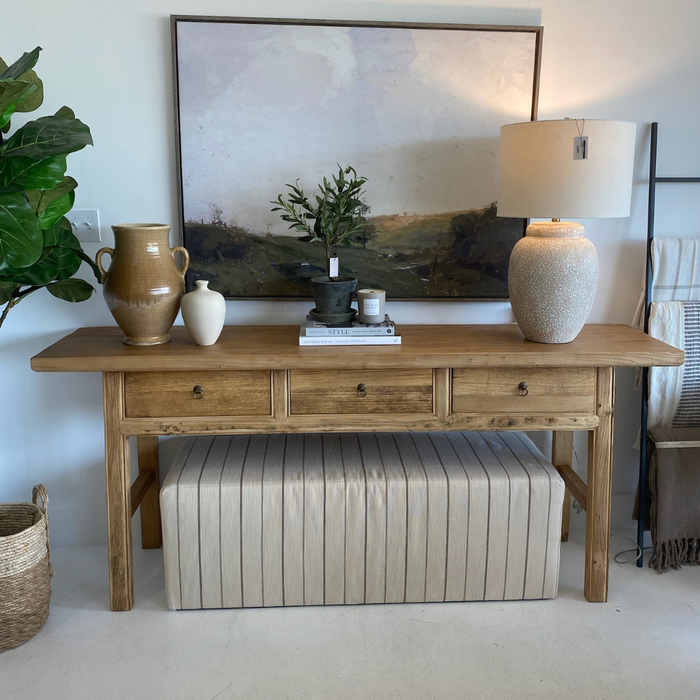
[{"x": 444, "y": 377}]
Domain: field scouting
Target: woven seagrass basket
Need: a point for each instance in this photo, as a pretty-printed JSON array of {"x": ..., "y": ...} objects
[{"x": 25, "y": 569}]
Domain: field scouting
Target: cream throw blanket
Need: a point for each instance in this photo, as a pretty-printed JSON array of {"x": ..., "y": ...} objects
[
  {"x": 667, "y": 323},
  {"x": 674, "y": 392},
  {"x": 676, "y": 266}
]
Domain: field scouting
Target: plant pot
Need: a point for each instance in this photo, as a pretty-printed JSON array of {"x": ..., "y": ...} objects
[{"x": 333, "y": 298}]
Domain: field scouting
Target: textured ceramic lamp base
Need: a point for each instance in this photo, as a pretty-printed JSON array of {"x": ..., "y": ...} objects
[{"x": 552, "y": 280}]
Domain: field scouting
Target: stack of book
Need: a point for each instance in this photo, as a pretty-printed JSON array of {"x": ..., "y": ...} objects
[{"x": 353, "y": 333}]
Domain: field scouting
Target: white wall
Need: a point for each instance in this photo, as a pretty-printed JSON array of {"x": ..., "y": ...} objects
[{"x": 626, "y": 59}]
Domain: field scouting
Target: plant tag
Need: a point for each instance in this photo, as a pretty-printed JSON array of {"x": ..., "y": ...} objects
[
  {"x": 333, "y": 267},
  {"x": 370, "y": 307},
  {"x": 580, "y": 147}
]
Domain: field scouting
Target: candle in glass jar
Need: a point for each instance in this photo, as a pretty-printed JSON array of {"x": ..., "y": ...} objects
[{"x": 370, "y": 305}]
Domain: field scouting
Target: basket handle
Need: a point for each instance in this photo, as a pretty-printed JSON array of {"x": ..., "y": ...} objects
[{"x": 39, "y": 491}]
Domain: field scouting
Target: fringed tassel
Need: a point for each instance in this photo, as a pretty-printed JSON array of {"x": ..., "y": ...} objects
[{"x": 674, "y": 554}]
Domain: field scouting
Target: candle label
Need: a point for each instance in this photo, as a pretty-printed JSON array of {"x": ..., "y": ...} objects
[
  {"x": 370, "y": 307},
  {"x": 333, "y": 267}
]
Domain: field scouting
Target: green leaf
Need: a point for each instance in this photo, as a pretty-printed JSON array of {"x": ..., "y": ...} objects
[
  {"x": 20, "y": 236},
  {"x": 86, "y": 258},
  {"x": 21, "y": 65},
  {"x": 71, "y": 290},
  {"x": 41, "y": 199},
  {"x": 27, "y": 174},
  {"x": 65, "y": 113},
  {"x": 7, "y": 290},
  {"x": 12, "y": 92},
  {"x": 67, "y": 238},
  {"x": 34, "y": 199},
  {"x": 67, "y": 241},
  {"x": 43, "y": 271},
  {"x": 48, "y": 136},
  {"x": 56, "y": 209},
  {"x": 60, "y": 259},
  {"x": 35, "y": 100},
  {"x": 52, "y": 235},
  {"x": 66, "y": 260}
]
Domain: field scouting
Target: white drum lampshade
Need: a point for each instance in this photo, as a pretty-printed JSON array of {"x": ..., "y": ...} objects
[{"x": 565, "y": 168}]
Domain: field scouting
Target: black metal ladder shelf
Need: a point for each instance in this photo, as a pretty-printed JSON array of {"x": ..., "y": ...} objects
[{"x": 648, "y": 282}]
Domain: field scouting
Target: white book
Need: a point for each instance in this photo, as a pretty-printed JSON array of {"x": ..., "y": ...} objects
[
  {"x": 305, "y": 340},
  {"x": 316, "y": 328}
]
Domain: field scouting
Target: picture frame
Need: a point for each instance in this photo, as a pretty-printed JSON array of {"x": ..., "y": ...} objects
[{"x": 416, "y": 108}]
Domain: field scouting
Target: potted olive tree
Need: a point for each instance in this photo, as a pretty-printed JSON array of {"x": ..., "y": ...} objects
[
  {"x": 335, "y": 217},
  {"x": 37, "y": 246}
]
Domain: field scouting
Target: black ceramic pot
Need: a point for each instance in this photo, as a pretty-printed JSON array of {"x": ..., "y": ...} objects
[{"x": 333, "y": 298}]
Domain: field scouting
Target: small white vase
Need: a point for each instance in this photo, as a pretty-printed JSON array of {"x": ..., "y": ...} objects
[{"x": 204, "y": 313}]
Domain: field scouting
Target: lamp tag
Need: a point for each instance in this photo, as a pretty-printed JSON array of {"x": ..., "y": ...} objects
[{"x": 580, "y": 147}]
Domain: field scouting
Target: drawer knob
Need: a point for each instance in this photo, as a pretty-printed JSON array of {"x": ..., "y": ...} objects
[
  {"x": 198, "y": 392},
  {"x": 522, "y": 389},
  {"x": 362, "y": 390}
]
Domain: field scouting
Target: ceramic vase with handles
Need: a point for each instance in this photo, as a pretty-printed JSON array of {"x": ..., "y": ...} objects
[
  {"x": 143, "y": 285},
  {"x": 204, "y": 313}
]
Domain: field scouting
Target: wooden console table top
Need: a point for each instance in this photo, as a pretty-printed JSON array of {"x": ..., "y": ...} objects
[
  {"x": 443, "y": 377},
  {"x": 264, "y": 347}
]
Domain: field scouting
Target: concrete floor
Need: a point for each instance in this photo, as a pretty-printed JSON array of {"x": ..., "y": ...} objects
[{"x": 644, "y": 643}]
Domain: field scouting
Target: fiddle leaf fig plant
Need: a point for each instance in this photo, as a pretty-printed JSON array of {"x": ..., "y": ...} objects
[
  {"x": 37, "y": 246},
  {"x": 336, "y": 215}
]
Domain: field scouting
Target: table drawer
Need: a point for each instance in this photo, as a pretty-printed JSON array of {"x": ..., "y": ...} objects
[
  {"x": 524, "y": 390},
  {"x": 172, "y": 394},
  {"x": 356, "y": 392}
]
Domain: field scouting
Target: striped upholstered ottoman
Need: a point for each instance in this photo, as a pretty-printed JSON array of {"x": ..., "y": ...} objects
[{"x": 269, "y": 520}]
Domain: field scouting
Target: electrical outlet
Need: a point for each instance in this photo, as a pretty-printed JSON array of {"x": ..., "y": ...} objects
[{"x": 85, "y": 224}]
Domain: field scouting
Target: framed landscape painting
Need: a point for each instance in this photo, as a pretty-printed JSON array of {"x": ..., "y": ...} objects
[{"x": 414, "y": 108}]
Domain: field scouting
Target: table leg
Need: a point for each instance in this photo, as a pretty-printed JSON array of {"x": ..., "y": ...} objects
[
  {"x": 562, "y": 451},
  {"x": 118, "y": 473},
  {"x": 600, "y": 443},
  {"x": 151, "y": 533}
]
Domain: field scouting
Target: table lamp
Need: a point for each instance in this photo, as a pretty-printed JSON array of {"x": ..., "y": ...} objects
[{"x": 571, "y": 168}]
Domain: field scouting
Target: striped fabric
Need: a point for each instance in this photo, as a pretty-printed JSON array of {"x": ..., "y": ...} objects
[
  {"x": 674, "y": 392},
  {"x": 687, "y": 413},
  {"x": 327, "y": 519}
]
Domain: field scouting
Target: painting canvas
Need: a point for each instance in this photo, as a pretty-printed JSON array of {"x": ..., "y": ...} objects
[{"x": 416, "y": 109}]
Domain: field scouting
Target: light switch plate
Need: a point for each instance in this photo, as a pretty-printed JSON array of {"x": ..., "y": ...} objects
[{"x": 85, "y": 224}]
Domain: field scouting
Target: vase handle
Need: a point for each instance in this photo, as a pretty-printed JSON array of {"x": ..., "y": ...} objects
[
  {"x": 185, "y": 255},
  {"x": 98, "y": 258}
]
